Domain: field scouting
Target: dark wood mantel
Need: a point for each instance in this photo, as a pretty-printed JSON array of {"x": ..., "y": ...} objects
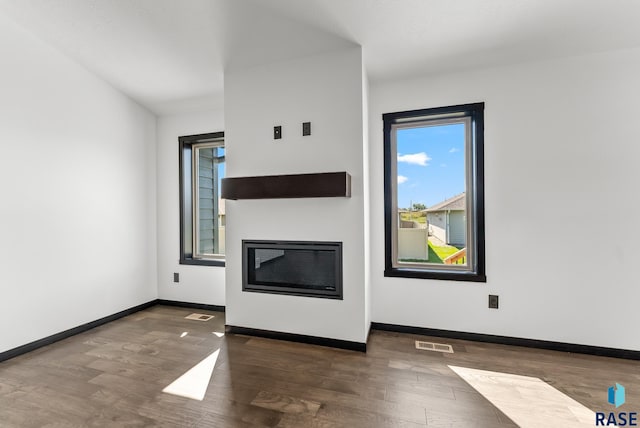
[{"x": 318, "y": 185}]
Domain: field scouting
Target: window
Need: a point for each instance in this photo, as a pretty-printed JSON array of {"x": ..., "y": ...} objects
[
  {"x": 202, "y": 211},
  {"x": 434, "y": 193}
]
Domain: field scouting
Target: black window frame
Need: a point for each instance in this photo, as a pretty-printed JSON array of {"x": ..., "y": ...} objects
[
  {"x": 474, "y": 111},
  {"x": 186, "y": 144}
]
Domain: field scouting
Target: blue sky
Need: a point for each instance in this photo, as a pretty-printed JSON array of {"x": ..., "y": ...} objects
[{"x": 430, "y": 164}]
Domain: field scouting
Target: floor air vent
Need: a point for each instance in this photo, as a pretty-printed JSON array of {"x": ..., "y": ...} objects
[
  {"x": 431, "y": 346},
  {"x": 199, "y": 317}
]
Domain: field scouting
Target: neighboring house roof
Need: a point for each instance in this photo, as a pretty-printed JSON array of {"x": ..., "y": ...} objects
[{"x": 457, "y": 203}]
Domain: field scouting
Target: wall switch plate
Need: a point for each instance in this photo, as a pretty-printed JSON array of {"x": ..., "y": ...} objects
[
  {"x": 493, "y": 301},
  {"x": 306, "y": 128},
  {"x": 176, "y": 277},
  {"x": 277, "y": 132}
]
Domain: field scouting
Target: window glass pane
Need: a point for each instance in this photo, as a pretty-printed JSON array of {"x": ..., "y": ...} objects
[
  {"x": 185, "y": 213},
  {"x": 210, "y": 210},
  {"x": 431, "y": 193}
]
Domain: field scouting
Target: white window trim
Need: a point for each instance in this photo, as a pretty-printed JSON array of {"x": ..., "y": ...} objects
[
  {"x": 469, "y": 181},
  {"x": 195, "y": 171}
]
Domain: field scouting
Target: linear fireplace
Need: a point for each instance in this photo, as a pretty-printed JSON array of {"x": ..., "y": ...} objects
[{"x": 293, "y": 267}]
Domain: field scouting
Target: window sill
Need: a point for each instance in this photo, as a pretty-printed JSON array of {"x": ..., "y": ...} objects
[
  {"x": 202, "y": 262},
  {"x": 430, "y": 274}
]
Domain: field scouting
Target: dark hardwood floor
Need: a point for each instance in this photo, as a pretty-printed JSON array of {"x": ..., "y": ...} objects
[{"x": 113, "y": 376}]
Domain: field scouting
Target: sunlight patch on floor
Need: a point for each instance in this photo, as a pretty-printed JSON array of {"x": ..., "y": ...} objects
[
  {"x": 527, "y": 401},
  {"x": 193, "y": 384}
]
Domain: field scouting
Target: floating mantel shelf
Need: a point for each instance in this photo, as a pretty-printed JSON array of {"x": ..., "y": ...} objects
[{"x": 320, "y": 185}]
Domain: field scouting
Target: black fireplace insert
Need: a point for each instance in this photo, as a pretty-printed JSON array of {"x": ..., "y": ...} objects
[{"x": 298, "y": 268}]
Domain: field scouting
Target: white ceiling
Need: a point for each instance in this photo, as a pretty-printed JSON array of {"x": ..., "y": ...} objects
[{"x": 170, "y": 55}]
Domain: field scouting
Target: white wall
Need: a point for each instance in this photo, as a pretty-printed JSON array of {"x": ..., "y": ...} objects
[
  {"x": 198, "y": 284},
  {"x": 77, "y": 179},
  {"x": 561, "y": 154},
  {"x": 438, "y": 225},
  {"x": 366, "y": 190},
  {"x": 327, "y": 90}
]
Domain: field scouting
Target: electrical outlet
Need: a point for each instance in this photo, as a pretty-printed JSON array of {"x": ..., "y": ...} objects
[
  {"x": 306, "y": 128},
  {"x": 493, "y": 301},
  {"x": 277, "y": 132},
  {"x": 176, "y": 277}
]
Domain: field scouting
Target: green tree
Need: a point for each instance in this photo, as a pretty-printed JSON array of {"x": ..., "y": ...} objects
[{"x": 418, "y": 207}]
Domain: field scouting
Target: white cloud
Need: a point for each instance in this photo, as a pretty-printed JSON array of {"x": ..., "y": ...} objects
[
  {"x": 402, "y": 179},
  {"x": 415, "y": 158},
  {"x": 453, "y": 150}
]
